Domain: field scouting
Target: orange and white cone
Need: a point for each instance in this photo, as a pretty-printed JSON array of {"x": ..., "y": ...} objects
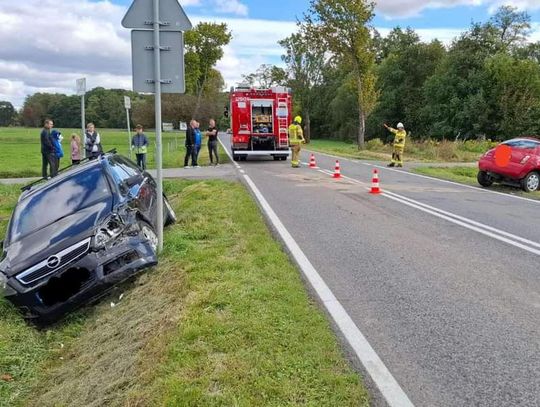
[
  {"x": 375, "y": 183},
  {"x": 337, "y": 170},
  {"x": 312, "y": 163}
]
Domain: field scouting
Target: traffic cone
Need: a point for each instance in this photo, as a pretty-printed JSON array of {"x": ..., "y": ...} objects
[
  {"x": 337, "y": 170},
  {"x": 375, "y": 183},
  {"x": 312, "y": 163}
]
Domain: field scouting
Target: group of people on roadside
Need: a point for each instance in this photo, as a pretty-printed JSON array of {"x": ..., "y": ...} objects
[
  {"x": 194, "y": 139},
  {"x": 52, "y": 151}
]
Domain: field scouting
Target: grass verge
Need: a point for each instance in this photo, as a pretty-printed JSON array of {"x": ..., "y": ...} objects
[
  {"x": 223, "y": 320},
  {"x": 467, "y": 175},
  {"x": 445, "y": 151},
  {"x": 20, "y": 154}
]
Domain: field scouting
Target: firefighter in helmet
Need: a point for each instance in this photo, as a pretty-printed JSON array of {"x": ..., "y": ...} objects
[
  {"x": 399, "y": 144},
  {"x": 296, "y": 139}
]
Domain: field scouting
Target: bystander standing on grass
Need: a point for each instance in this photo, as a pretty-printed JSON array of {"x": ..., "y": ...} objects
[
  {"x": 56, "y": 137},
  {"x": 75, "y": 149},
  {"x": 139, "y": 143},
  {"x": 93, "y": 142}
]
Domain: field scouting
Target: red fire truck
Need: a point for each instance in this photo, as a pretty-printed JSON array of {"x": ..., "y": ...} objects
[{"x": 259, "y": 122}]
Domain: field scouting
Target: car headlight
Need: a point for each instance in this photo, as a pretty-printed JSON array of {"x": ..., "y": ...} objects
[
  {"x": 101, "y": 238},
  {"x": 108, "y": 231}
]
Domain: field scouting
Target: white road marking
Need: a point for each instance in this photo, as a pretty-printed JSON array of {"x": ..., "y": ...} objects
[
  {"x": 498, "y": 234},
  {"x": 381, "y": 376},
  {"x": 478, "y": 189}
]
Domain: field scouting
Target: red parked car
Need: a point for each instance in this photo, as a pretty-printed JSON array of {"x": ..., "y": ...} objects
[{"x": 523, "y": 168}]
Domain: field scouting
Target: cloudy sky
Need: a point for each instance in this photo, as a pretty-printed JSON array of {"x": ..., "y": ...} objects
[{"x": 45, "y": 45}]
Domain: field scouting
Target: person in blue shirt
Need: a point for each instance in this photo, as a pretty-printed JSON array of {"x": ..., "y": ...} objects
[
  {"x": 139, "y": 143},
  {"x": 198, "y": 142},
  {"x": 56, "y": 138}
]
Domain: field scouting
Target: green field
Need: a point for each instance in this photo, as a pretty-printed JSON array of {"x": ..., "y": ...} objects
[
  {"x": 20, "y": 154},
  {"x": 224, "y": 320}
]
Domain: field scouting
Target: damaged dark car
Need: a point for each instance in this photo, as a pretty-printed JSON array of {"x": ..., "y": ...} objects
[{"x": 72, "y": 238}]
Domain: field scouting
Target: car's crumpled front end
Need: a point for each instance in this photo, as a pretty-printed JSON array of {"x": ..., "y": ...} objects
[{"x": 84, "y": 270}]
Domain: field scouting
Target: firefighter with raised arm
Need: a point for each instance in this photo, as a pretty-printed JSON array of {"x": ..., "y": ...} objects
[
  {"x": 399, "y": 144},
  {"x": 296, "y": 139}
]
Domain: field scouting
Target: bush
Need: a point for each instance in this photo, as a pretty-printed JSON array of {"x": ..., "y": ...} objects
[
  {"x": 447, "y": 150},
  {"x": 374, "y": 144},
  {"x": 474, "y": 146}
]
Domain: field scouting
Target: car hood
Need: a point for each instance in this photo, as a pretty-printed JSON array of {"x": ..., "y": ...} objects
[{"x": 51, "y": 239}]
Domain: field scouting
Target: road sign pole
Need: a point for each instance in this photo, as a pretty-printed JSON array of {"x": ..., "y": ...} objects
[
  {"x": 129, "y": 133},
  {"x": 157, "y": 79},
  {"x": 81, "y": 90},
  {"x": 83, "y": 127}
]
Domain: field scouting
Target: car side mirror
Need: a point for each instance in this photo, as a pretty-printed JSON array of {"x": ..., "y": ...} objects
[{"x": 134, "y": 180}]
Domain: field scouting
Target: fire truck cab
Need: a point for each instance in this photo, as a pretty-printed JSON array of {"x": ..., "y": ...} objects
[{"x": 259, "y": 122}]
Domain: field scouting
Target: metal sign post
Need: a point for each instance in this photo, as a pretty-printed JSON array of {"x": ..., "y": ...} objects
[
  {"x": 127, "y": 105},
  {"x": 81, "y": 91},
  {"x": 167, "y": 45},
  {"x": 157, "y": 93}
]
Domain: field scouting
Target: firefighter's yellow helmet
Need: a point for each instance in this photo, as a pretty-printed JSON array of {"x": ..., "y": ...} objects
[{"x": 298, "y": 119}]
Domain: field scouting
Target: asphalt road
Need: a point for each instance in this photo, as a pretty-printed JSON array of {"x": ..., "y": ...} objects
[{"x": 442, "y": 279}]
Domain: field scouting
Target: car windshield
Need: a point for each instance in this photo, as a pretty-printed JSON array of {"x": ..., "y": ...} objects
[{"x": 57, "y": 201}]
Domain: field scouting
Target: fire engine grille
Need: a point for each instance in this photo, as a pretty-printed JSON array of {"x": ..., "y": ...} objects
[{"x": 54, "y": 263}]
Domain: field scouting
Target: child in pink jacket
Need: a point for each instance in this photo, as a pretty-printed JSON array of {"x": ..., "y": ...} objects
[{"x": 75, "y": 149}]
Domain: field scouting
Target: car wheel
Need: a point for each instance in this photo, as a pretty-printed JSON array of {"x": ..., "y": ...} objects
[
  {"x": 484, "y": 179},
  {"x": 170, "y": 215},
  {"x": 148, "y": 233},
  {"x": 236, "y": 158},
  {"x": 531, "y": 182}
]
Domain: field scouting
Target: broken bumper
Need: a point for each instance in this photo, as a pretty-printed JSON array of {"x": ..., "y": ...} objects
[{"x": 89, "y": 277}]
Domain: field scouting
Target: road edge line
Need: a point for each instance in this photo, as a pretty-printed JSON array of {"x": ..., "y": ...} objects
[
  {"x": 374, "y": 366},
  {"x": 478, "y": 189}
]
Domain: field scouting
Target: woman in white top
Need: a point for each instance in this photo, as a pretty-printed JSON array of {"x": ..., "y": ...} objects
[{"x": 93, "y": 142}]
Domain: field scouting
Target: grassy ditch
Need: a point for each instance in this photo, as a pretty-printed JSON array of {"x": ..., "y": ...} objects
[
  {"x": 426, "y": 151},
  {"x": 467, "y": 175},
  {"x": 224, "y": 320},
  {"x": 20, "y": 155}
]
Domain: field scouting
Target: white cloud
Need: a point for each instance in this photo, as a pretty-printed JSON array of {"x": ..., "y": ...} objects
[
  {"x": 47, "y": 44},
  {"x": 232, "y": 7},
  {"x": 254, "y": 42},
  {"x": 408, "y": 8}
]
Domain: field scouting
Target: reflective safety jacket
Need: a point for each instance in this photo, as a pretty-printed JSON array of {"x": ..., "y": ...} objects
[
  {"x": 139, "y": 143},
  {"x": 399, "y": 137},
  {"x": 296, "y": 135}
]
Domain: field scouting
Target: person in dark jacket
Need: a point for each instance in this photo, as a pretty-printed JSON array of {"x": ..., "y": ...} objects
[
  {"x": 191, "y": 151},
  {"x": 139, "y": 143},
  {"x": 212, "y": 134},
  {"x": 93, "y": 142},
  {"x": 48, "y": 156}
]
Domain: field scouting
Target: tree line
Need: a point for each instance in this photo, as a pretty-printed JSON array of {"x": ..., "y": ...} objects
[
  {"x": 348, "y": 80},
  {"x": 105, "y": 107}
]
